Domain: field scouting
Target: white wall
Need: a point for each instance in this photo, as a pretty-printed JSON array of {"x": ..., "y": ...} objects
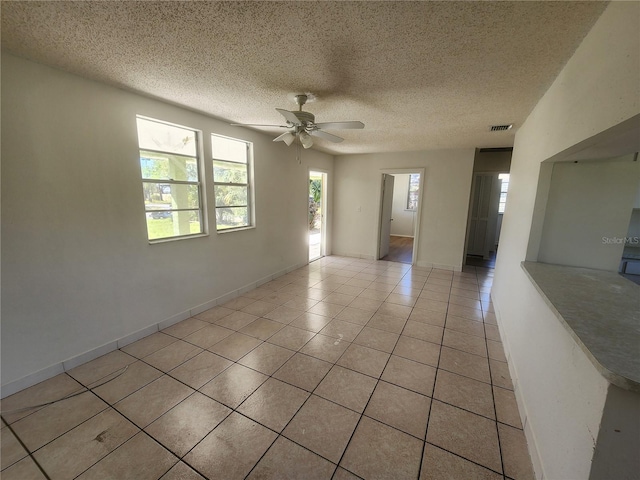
[
  {"x": 587, "y": 203},
  {"x": 77, "y": 270},
  {"x": 597, "y": 89},
  {"x": 402, "y": 223},
  {"x": 445, "y": 203}
]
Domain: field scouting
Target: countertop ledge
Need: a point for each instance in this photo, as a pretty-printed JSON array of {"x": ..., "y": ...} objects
[{"x": 601, "y": 311}]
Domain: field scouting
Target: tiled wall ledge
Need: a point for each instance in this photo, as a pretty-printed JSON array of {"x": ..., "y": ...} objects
[{"x": 601, "y": 311}]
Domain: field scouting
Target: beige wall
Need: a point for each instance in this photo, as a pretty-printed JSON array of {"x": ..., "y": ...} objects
[
  {"x": 445, "y": 202},
  {"x": 78, "y": 273},
  {"x": 561, "y": 395}
]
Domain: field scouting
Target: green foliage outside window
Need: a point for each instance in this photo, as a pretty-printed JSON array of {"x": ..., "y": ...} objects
[{"x": 231, "y": 178}]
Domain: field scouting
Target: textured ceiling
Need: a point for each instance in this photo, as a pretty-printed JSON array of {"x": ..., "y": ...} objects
[{"x": 420, "y": 75}]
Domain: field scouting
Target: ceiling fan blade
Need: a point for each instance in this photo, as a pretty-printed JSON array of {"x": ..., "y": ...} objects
[
  {"x": 290, "y": 117},
  {"x": 256, "y": 125},
  {"x": 340, "y": 125},
  {"x": 326, "y": 136}
]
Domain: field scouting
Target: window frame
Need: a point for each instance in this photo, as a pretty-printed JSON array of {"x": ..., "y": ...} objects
[
  {"x": 504, "y": 181},
  {"x": 417, "y": 191},
  {"x": 249, "y": 185},
  {"x": 199, "y": 183}
]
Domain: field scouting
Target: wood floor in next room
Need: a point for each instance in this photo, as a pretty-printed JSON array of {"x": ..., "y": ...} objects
[
  {"x": 343, "y": 369},
  {"x": 400, "y": 249}
]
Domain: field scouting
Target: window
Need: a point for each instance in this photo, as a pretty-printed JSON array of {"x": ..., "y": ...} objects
[
  {"x": 232, "y": 182},
  {"x": 171, "y": 183},
  {"x": 412, "y": 195},
  {"x": 503, "y": 191}
]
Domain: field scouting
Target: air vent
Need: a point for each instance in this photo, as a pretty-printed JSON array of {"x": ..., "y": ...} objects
[{"x": 500, "y": 128}]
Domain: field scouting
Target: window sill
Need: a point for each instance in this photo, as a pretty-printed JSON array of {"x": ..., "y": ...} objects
[
  {"x": 239, "y": 229},
  {"x": 175, "y": 239}
]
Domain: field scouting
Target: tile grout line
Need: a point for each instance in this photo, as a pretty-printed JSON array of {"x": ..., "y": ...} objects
[
  {"x": 433, "y": 390},
  {"x": 279, "y": 434},
  {"x": 89, "y": 390},
  {"x": 378, "y": 379},
  {"x": 495, "y": 410},
  {"x": 368, "y": 401},
  {"x": 361, "y": 414},
  {"x": 367, "y": 404},
  {"x": 433, "y": 399},
  {"x": 29, "y": 453}
]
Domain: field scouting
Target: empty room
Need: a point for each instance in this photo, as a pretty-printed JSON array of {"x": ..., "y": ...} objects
[{"x": 320, "y": 240}]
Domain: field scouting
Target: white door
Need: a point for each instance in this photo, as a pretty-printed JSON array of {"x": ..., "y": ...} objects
[
  {"x": 484, "y": 214},
  {"x": 492, "y": 222},
  {"x": 385, "y": 214}
]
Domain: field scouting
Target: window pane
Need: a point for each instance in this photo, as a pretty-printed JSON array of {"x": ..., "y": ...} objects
[
  {"x": 503, "y": 197},
  {"x": 412, "y": 196},
  {"x": 228, "y": 196},
  {"x": 232, "y": 217},
  {"x": 162, "y": 196},
  {"x": 168, "y": 138},
  {"x": 168, "y": 167},
  {"x": 501, "y": 208},
  {"x": 229, "y": 149},
  {"x": 414, "y": 182},
  {"x": 413, "y": 201},
  {"x": 225, "y": 172},
  {"x": 165, "y": 224},
  {"x": 231, "y": 176}
]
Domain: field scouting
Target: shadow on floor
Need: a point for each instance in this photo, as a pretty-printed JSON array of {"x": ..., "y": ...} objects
[{"x": 478, "y": 261}]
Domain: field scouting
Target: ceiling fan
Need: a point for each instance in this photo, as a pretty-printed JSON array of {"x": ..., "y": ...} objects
[{"x": 302, "y": 125}]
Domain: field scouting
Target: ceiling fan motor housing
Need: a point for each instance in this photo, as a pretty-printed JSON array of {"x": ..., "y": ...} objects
[{"x": 305, "y": 117}]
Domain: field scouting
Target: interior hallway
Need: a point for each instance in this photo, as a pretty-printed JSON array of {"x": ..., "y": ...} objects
[{"x": 343, "y": 369}]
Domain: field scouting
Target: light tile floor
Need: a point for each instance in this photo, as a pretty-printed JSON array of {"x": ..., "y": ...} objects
[{"x": 342, "y": 369}]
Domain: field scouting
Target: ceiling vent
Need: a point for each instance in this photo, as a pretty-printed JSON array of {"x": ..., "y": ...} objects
[{"x": 500, "y": 128}]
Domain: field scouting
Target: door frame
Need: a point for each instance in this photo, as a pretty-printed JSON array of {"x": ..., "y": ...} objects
[
  {"x": 416, "y": 227},
  {"x": 324, "y": 202}
]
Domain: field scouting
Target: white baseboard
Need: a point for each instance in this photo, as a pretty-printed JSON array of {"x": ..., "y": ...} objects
[
  {"x": 440, "y": 266},
  {"x": 532, "y": 445},
  {"x": 361, "y": 256},
  {"x": 92, "y": 354},
  {"x": 46, "y": 373}
]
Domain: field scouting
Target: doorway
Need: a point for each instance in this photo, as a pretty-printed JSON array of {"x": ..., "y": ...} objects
[
  {"x": 317, "y": 214},
  {"x": 399, "y": 206},
  {"x": 489, "y": 194}
]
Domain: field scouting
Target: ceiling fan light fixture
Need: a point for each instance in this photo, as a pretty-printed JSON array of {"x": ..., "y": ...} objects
[
  {"x": 288, "y": 138},
  {"x": 306, "y": 140}
]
